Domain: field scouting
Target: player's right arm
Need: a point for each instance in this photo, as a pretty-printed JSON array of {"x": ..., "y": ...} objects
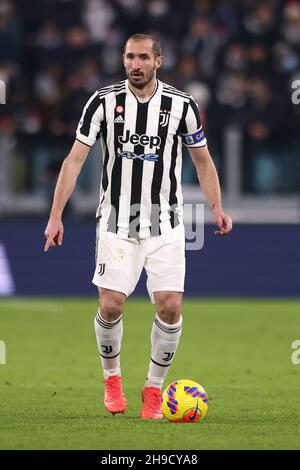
[
  {"x": 87, "y": 133},
  {"x": 65, "y": 185}
]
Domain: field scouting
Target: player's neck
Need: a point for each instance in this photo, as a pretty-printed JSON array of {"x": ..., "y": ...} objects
[{"x": 146, "y": 92}]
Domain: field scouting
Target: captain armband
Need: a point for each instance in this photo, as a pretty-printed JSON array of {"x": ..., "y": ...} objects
[{"x": 197, "y": 139}]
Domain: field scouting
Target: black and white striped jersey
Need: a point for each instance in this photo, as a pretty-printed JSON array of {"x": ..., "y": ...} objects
[{"x": 140, "y": 193}]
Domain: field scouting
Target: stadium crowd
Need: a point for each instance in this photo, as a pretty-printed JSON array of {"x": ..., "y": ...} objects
[{"x": 238, "y": 58}]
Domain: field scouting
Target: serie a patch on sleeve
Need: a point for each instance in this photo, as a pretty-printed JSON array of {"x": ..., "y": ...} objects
[{"x": 197, "y": 138}]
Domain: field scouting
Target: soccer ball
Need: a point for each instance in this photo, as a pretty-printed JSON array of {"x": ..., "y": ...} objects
[{"x": 184, "y": 401}]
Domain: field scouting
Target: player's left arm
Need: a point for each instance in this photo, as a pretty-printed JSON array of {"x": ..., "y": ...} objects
[{"x": 210, "y": 185}]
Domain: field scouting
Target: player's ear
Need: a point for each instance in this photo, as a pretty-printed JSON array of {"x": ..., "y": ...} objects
[{"x": 158, "y": 61}]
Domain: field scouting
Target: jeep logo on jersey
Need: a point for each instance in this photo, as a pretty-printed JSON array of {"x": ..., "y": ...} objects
[{"x": 144, "y": 139}]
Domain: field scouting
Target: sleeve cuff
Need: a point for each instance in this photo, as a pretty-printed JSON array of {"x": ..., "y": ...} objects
[
  {"x": 85, "y": 140},
  {"x": 203, "y": 144}
]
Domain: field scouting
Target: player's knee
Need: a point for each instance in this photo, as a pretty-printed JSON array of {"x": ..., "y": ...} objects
[
  {"x": 111, "y": 306},
  {"x": 169, "y": 309}
]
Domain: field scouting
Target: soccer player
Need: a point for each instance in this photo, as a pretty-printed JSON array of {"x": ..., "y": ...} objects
[{"x": 142, "y": 124}]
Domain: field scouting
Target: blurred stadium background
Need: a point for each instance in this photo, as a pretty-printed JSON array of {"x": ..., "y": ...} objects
[{"x": 237, "y": 58}]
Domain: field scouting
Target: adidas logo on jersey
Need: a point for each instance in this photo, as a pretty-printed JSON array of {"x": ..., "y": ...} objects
[{"x": 119, "y": 119}]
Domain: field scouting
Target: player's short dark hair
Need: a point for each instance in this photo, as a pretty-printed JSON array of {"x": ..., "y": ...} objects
[{"x": 156, "y": 47}]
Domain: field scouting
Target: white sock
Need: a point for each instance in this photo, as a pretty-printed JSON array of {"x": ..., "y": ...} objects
[
  {"x": 164, "y": 340},
  {"x": 109, "y": 337}
]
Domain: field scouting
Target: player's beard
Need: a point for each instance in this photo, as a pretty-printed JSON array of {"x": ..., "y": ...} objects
[{"x": 140, "y": 84}]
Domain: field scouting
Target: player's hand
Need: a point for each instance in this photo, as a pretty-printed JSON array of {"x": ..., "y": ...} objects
[
  {"x": 223, "y": 221},
  {"x": 54, "y": 233}
]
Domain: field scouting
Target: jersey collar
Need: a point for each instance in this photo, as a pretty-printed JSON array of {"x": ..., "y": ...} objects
[{"x": 157, "y": 88}]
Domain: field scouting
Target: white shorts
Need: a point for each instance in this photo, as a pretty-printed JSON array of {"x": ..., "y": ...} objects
[{"x": 120, "y": 262}]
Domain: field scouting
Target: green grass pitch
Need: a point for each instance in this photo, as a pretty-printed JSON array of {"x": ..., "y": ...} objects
[{"x": 239, "y": 350}]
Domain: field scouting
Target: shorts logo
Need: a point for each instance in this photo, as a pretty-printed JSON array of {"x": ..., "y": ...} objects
[
  {"x": 164, "y": 117},
  {"x": 101, "y": 269}
]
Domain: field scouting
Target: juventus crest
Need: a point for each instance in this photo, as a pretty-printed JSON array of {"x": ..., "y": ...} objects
[
  {"x": 164, "y": 117},
  {"x": 101, "y": 269},
  {"x": 169, "y": 356}
]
